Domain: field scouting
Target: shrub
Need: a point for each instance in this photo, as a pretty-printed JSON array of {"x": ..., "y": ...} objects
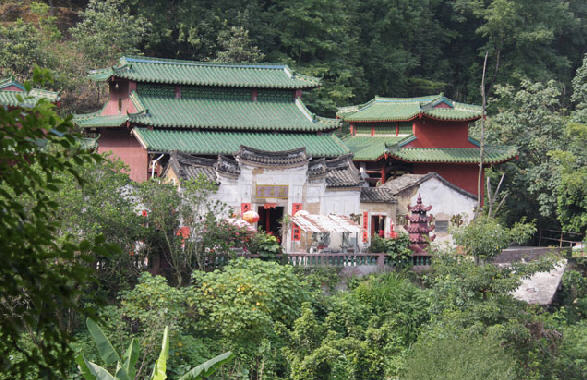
[{"x": 459, "y": 356}]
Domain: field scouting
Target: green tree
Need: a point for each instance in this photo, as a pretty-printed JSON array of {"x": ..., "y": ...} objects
[
  {"x": 485, "y": 237},
  {"x": 361, "y": 334},
  {"x": 43, "y": 272},
  {"x": 182, "y": 225},
  {"x": 104, "y": 204},
  {"x": 236, "y": 46},
  {"x": 25, "y": 44},
  {"x": 530, "y": 118},
  {"x": 319, "y": 38},
  {"x": 477, "y": 298},
  {"x": 246, "y": 307},
  {"x": 459, "y": 356},
  {"x": 571, "y": 161},
  {"x": 571, "y": 191},
  {"x": 107, "y": 31}
]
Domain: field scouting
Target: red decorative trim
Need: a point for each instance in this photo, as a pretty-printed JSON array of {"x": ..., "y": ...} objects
[
  {"x": 450, "y": 162},
  {"x": 420, "y": 115},
  {"x": 295, "y": 230},
  {"x": 365, "y": 226},
  {"x": 295, "y": 207},
  {"x": 245, "y": 207}
]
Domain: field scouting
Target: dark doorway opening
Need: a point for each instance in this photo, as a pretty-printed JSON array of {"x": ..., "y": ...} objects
[
  {"x": 378, "y": 225},
  {"x": 270, "y": 220}
]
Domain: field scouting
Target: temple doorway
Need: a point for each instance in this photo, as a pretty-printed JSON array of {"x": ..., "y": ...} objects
[
  {"x": 378, "y": 225},
  {"x": 270, "y": 220}
]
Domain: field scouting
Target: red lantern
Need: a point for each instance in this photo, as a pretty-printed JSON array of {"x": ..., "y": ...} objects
[{"x": 251, "y": 216}]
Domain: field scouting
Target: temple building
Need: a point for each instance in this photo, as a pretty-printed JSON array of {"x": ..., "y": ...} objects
[
  {"x": 157, "y": 106},
  {"x": 393, "y": 136},
  {"x": 245, "y": 128},
  {"x": 241, "y": 126},
  {"x": 276, "y": 184},
  {"x": 11, "y": 90}
]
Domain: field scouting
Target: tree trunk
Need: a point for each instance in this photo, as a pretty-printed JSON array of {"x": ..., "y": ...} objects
[{"x": 482, "y": 142}]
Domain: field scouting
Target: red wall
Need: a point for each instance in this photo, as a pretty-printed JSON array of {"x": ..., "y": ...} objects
[
  {"x": 120, "y": 103},
  {"x": 126, "y": 147},
  {"x": 464, "y": 176},
  {"x": 11, "y": 88},
  {"x": 438, "y": 134}
]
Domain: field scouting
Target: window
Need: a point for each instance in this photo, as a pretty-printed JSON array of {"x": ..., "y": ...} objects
[{"x": 441, "y": 226}]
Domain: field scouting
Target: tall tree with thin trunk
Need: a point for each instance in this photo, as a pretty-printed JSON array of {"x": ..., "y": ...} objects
[{"x": 482, "y": 141}]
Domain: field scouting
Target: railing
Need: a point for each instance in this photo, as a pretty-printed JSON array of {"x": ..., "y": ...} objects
[
  {"x": 338, "y": 260},
  {"x": 563, "y": 238}
]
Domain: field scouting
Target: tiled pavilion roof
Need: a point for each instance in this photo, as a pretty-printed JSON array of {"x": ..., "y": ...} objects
[
  {"x": 10, "y": 98},
  {"x": 227, "y": 113},
  {"x": 171, "y": 71},
  {"x": 229, "y": 143},
  {"x": 404, "y": 109},
  {"x": 371, "y": 148},
  {"x": 492, "y": 154}
]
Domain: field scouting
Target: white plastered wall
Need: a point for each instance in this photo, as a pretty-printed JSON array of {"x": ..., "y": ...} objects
[{"x": 445, "y": 201}]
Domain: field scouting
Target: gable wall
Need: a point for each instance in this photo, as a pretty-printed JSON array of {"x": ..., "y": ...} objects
[
  {"x": 445, "y": 201},
  {"x": 120, "y": 103},
  {"x": 125, "y": 147},
  {"x": 439, "y": 134},
  {"x": 464, "y": 176},
  {"x": 11, "y": 88}
]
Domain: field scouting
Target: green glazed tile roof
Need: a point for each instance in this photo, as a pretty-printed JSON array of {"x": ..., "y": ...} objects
[
  {"x": 9, "y": 82},
  {"x": 274, "y": 114},
  {"x": 95, "y": 120},
  {"x": 492, "y": 154},
  {"x": 214, "y": 143},
  {"x": 158, "y": 70},
  {"x": 10, "y": 98},
  {"x": 370, "y": 148},
  {"x": 404, "y": 109}
]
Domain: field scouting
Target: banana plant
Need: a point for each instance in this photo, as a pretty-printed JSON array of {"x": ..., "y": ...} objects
[{"x": 126, "y": 364}]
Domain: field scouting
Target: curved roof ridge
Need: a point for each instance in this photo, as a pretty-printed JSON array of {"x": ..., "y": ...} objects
[{"x": 242, "y": 65}]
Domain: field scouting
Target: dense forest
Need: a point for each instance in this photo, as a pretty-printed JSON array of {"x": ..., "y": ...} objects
[
  {"x": 359, "y": 49},
  {"x": 68, "y": 236}
]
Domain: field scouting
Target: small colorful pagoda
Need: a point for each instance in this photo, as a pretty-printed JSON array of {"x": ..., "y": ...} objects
[
  {"x": 204, "y": 109},
  {"x": 393, "y": 136},
  {"x": 419, "y": 227}
]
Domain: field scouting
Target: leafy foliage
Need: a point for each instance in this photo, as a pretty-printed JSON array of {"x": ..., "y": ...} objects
[
  {"x": 362, "y": 334},
  {"x": 459, "y": 356},
  {"x": 126, "y": 364},
  {"x": 107, "y": 31},
  {"x": 183, "y": 224},
  {"x": 265, "y": 245},
  {"x": 397, "y": 248},
  {"x": 485, "y": 237},
  {"x": 43, "y": 272},
  {"x": 236, "y": 46}
]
